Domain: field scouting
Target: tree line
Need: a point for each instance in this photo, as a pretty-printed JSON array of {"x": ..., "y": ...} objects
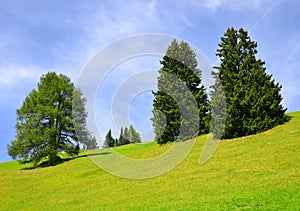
[
  {"x": 52, "y": 118},
  {"x": 127, "y": 136}
]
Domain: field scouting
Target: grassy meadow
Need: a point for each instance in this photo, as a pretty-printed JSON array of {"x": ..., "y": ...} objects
[{"x": 258, "y": 172}]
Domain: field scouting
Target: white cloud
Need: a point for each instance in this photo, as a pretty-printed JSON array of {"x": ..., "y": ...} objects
[
  {"x": 13, "y": 75},
  {"x": 16, "y": 82}
]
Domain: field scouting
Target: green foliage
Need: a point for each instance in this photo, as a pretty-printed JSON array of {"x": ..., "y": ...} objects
[
  {"x": 218, "y": 108},
  {"x": 253, "y": 99},
  {"x": 121, "y": 140},
  {"x": 79, "y": 113},
  {"x": 45, "y": 123},
  {"x": 126, "y": 136},
  {"x": 109, "y": 140},
  {"x": 92, "y": 144},
  {"x": 179, "y": 77}
]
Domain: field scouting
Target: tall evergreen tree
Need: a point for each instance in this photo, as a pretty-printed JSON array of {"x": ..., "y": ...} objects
[
  {"x": 121, "y": 137},
  {"x": 180, "y": 61},
  {"x": 253, "y": 99},
  {"x": 45, "y": 124}
]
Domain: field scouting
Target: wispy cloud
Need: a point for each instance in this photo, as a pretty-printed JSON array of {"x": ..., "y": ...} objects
[
  {"x": 186, "y": 21},
  {"x": 234, "y": 4},
  {"x": 151, "y": 9},
  {"x": 265, "y": 13},
  {"x": 295, "y": 51}
]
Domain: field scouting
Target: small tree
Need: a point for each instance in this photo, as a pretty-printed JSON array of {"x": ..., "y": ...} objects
[
  {"x": 253, "y": 100},
  {"x": 45, "y": 124},
  {"x": 92, "y": 144},
  {"x": 109, "y": 140},
  {"x": 134, "y": 136}
]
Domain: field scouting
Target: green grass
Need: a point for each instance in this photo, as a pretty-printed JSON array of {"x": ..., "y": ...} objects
[
  {"x": 259, "y": 172},
  {"x": 143, "y": 150}
]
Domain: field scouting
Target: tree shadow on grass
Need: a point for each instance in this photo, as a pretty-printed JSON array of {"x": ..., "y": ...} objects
[
  {"x": 61, "y": 160},
  {"x": 287, "y": 118}
]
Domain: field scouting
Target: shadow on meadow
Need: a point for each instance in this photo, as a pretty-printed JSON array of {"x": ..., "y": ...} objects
[{"x": 60, "y": 161}]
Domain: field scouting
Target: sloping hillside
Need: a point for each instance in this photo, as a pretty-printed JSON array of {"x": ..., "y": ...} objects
[{"x": 256, "y": 172}]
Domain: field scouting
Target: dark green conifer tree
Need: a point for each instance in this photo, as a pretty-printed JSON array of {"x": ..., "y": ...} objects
[
  {"x": 253, "y": 99},
  {"x": 126, "y": 139},
  {"x": 109, "y": 140},
  {"x": 179, "y": 62},
  {"x": 121, "y": 137}
]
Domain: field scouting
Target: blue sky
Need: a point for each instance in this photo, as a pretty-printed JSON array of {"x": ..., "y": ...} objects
[{"x": 62, "y": 36}]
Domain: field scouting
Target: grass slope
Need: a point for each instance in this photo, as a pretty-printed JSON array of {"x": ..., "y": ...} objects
[{"x": 260, "y": 172}]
